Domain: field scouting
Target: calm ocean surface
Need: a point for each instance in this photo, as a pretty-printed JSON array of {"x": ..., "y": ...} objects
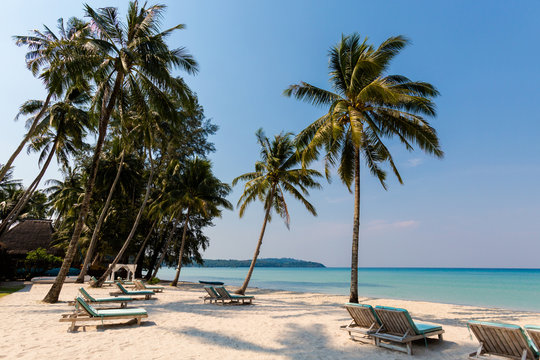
[{"x": 506, "y": 288}]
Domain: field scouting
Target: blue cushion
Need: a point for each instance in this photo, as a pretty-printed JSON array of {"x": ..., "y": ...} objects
[
  {"x": 426, "y": 328},
  {"x": 419, "y": 328}
]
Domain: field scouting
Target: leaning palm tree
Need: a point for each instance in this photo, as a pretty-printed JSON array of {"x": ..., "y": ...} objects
[
  {"x": 274, "y": 176},
  {"x": 365, "y": 108},
  {"x": 61, "y": 133},
  {"x": 196, "y": 191},
  {"x": 135, "y": 58}
]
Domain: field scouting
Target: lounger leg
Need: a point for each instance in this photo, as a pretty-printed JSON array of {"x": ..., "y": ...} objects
[
  {"x": 524, "y": 355},
  {"x": 72, "y": 327},
  {"x": 409, "y": 348},
  {"x": 138, "y": 321},
  {"x": 441, "y": 337}
]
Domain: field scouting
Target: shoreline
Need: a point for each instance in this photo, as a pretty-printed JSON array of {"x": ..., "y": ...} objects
[{"x": 280, "y": 325}]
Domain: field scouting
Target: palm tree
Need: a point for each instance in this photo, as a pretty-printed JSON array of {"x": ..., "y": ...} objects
[
  {"x": 134, "y": 57},
  {"x": 61, "y": 133},
  {"x": 365, "y": 108},
  {"x": 274, "y": 176},
  {"x": 196, "y": 191},
  {"x": 54, "y": 56}
]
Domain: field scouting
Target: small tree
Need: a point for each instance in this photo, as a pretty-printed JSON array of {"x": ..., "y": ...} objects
[{"x": 37, "y": 261}]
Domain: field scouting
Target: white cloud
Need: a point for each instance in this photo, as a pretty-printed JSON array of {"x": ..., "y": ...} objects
[{"x": 414, "y": 162}]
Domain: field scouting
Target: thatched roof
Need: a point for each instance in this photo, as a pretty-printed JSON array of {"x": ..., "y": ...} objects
[{"x": 28, "y": 235}]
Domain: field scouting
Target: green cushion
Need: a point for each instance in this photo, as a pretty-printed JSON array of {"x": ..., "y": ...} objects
[
  {"x": 113, "y": 299},
  {"x": 121, "y": 312},
  {"x": 86, "y": 294},
  {"x": 136, "y": 292},
  {"x": 532, "y": 327},
  {"x": 427, "y": 328}
]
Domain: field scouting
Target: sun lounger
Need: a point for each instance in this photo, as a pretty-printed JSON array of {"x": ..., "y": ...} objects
[
  {"x": 139, "y": 285},
  {"x": 123, "y": 291},
  {"x": 364, "y": 320},
  {"x": 94, "y": 281},
  {"x": 508, "y": 341},
  {"x": 126, "y": 283},
  {"x": 225, "y": 295},
  {"x": 123, "y": 300},
  {"x": 212, "y": 295},
  {"x": 85, "y": 312},
  {"x": 534, "y": 335},
  {"x": 398, "y": 327}
]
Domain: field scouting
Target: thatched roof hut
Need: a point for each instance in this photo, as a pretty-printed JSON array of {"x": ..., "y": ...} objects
[{"x": 28, "y": 235}]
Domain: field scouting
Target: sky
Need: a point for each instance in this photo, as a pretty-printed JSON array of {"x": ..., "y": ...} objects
[{"x": 477, "y": 207}]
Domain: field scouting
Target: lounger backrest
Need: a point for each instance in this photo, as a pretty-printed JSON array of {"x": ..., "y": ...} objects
[
  {"x": 363, "y": 315},
  {"x": 396, "y": 321},
  {"x": 502, "y": 339},
  {"x": 139, "y": 285},
  {"x": 86, "y": 295},
  {"x": 222, "y": 292},
  {"x": 122, "y": 288},
  {"x": 534, "y": 334},
  {"x": 210, "y": 290},
  {"x": 86, "y": 307}
]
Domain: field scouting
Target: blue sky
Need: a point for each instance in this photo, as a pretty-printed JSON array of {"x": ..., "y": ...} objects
[{"x": 479, "y": 206}]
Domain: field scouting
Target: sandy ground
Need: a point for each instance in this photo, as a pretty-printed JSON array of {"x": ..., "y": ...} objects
[{"x": 280, "y": 325}]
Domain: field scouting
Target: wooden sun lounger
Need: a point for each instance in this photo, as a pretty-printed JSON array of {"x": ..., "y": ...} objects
[
  {"x": 122, "y": 300},
  {"x": 85, "y": 312},
  {"x": 139, "y": 285},
  {"x": 225, "y": 295},
  {"x": 534, "y": 334},
  {"x": 212, "y": 295},
  {"x": 364, "y": 320},
  {"x": 508, "y": 341},
  {"x": 398, "y": 327},
  {"x": 123, "y": 291},
  {"x": 94, "y": 281}
]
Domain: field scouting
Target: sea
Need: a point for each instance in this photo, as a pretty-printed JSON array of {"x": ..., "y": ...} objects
[{"x": 516, "y": 289}]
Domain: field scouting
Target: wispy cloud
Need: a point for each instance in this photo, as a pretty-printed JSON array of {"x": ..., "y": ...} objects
[
  {"x": 414, "y": 162},
  {"x": 377, "y": 225}
]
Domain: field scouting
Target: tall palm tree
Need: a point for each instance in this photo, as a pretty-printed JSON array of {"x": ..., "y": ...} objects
[
  {"x": 366, "y": 107},
  {"x": 274, "y": 176},
  {"x": 196, "y": 191},
  {"x": 134, "y": 56}
]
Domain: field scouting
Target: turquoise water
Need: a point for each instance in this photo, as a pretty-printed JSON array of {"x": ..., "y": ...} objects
[{"x": 506, "y": 288}]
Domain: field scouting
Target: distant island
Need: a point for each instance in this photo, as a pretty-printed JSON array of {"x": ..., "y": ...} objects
[{"x": 270, "y": 262}]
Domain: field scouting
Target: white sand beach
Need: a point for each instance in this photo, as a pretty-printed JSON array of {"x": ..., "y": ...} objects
[{"x": 280, "y": 325}]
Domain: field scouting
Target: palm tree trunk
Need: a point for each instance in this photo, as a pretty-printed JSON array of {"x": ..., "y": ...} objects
[
  {"x": 353, "y": 298},
  {"x": 133, "y": 228},
  {"x": 179, "y": 267},
  {"x": 138, "y": 269},
  {"x": 54, "y": 291},
  {"x": 242, "y": 290},
  {"x": 28, "y": 193},
  {"x": 143, "y": 246},
  {"x": 30, "y": 133},
  {"x": 158, "y": 244},
  {"x": 93, "y": 241},
  {"x": 164, "y": 250}
]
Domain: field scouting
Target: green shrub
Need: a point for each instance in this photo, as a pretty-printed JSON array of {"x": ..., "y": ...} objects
[
  {"x": 153, "y": 281},
  {"x": 39, "y": 260}
]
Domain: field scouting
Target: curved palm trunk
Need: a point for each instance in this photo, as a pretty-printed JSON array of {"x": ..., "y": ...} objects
[
  {"x": 13, "y": 215},
  {"x": 133, "y": 228},
  {"x": 93, "y": 241},
  {"x": 54, "y": 291},
  {"x": 179, "y": 267},
  {"x": 138, "y": 269},
  {"x": 242, "y": 290},
  {"x": 164, "y": 250},
  {"x": 353, "y": 298},
  {"x": 17, "y": 151}
]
